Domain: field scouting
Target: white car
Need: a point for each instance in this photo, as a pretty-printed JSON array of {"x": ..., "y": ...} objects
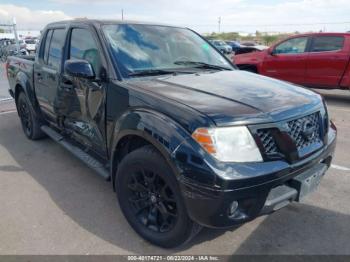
[{"x": 30, "y": 45}]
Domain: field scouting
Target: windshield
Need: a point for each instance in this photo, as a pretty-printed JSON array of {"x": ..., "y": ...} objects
[
  {"x": 150, "y": 47},
  {"x": 219, "y": 43},
  {"x": 30, "y": 41},
  {"x": 233, "y": 43}
]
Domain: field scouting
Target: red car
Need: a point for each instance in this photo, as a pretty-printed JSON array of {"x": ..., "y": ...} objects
[{"x": 317, "y": 60}]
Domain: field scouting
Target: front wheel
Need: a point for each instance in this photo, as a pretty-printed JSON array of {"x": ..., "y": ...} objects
[{"x": 151, "y": 201}]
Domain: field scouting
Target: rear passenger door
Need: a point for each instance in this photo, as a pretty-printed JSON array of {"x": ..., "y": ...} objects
[
  {"x": 47, "y": 71},
  {"x": 326, "y": 61}
]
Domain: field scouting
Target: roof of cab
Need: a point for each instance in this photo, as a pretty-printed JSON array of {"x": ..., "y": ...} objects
[
  {"x": 103, "y": 21},
  {"x": 320, "y": 34}
]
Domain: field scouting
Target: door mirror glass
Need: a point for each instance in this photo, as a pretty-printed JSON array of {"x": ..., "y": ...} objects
[{"x": 79, "y": 68}]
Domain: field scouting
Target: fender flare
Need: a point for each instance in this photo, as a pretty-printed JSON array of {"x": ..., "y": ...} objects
[
  {"x": 173, "y": 141},
  {"x": 23, "y": 82},
  {"x": 157, "y": 129}
]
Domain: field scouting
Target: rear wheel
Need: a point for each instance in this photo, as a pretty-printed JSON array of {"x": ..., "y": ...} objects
[
  {"x": 151, "y": 201},
  {"x": 30, "y": 123}
]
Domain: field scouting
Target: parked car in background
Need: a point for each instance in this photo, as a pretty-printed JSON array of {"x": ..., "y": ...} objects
[
  {"x": 8, "y": 48},
  {"x": 22, "y": 44},
  {"x": 5, "y": 42},
  {"x": 247, "y": 49},
  {"x": 316, "y": 60},
  {"x": 234, "y": 45},
  {"x": 30, "y": 45},
  {"x": 222, "y": 46},
  {"x": 248, "y": 43}
]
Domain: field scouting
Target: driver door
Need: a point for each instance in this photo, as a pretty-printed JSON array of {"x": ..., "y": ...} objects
[
  {"x": 288, "y": 60},
  {"x": 83, "y": 100}
]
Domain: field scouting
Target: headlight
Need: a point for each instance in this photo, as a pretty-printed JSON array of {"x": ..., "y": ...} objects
[
  {"x": 327, "y": 120},
  {"x": 228, "y": 144}
]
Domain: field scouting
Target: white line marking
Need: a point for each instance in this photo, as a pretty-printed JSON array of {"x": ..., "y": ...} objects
[
  {"x": 6, "y": 99},
  {"x": 338, "y": 108},
  {"x": 7, "y": 112},
  {"x": 340, "y": 167}
]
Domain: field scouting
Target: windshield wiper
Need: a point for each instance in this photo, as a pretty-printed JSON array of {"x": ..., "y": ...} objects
[
  {"x": 201, "y": 65},
  {"x": 151, "y": 72}
]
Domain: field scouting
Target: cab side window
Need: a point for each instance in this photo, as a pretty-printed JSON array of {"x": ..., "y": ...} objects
[
  {"x": 327, "y": 43},
  {"x": 292, "y": 46},
  {"x": 45, "y": 49},
  {"x": 83, "y": 46},
  {"x": 55, "y": 49}
]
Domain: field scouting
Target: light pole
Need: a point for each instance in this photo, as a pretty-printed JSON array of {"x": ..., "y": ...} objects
[
  {"x": 219, "y": 23},
  {"x": 16, "y": 36}
]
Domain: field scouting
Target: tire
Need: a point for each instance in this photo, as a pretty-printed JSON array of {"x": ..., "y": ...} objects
[
  {"x": 151, "y": 201},
  {"x": 251, "y": 70},
  {"x": 30, "y": 122},
  {"x": 3, "y": 57}
]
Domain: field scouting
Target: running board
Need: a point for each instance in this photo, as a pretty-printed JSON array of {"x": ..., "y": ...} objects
[{"x": 83, "y": 156}]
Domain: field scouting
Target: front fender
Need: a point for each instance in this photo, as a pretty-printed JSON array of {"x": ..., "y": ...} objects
[{"x": 167, "y": 136}]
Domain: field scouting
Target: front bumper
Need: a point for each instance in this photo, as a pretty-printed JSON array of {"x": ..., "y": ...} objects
[{"x": 267, "y": 189}]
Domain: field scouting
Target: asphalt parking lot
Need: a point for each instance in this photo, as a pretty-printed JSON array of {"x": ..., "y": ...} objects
[{"x": 51, "y": 203}]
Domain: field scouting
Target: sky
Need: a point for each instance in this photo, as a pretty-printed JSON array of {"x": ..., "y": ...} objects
[{"x": 200, "y": 15}]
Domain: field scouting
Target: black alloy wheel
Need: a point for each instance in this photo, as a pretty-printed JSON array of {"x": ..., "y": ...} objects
[
  {"x": 151, "y": 200},
  {"x": 29, "y": 120},
  {"x": 25, "y": 116}
]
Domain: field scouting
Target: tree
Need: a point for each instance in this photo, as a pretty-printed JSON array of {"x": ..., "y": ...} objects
[
  {"x": 269, "y": 39},
  {"x": 2, "y": 30}
]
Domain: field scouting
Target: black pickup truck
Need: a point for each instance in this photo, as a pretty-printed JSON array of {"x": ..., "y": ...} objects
[{"x": 186, "y": 139}]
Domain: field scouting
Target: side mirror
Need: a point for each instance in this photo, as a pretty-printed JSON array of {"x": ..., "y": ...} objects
[
  {"x": 79, "y": 68},
  {"x": 270, "y": 51}
]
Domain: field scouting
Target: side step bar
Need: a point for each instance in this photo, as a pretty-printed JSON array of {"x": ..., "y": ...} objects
[{"x": 83, "y": 156}]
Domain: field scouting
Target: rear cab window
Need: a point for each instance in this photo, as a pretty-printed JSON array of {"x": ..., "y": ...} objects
[
  {"x": 55, "y": 50},
  {"x": 51, "y": 51},
  {"x": 327, "y": 43},
  {"x": 44, "y": 50}
]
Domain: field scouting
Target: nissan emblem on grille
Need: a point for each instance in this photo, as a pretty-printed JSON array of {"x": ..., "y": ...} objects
[
  {"x": 304, "y": 132},
  {"x": 308, "y": 130}
]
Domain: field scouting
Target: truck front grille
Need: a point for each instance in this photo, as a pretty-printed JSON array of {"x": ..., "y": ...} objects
[
  {"x": 296, "y": 130},
  {"x": 267, "y": 141},
  {"x": 304, "y": 133}
]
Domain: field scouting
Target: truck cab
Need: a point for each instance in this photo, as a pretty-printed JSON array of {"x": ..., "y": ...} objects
[{"x": 185, "y": 138}]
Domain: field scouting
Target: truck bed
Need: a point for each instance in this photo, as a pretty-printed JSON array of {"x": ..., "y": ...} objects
[
  {"x": 20, "y": 68},
  {"x": 26, "y": 57}
]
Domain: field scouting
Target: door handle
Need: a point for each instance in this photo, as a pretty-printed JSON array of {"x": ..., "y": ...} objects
[
  {"x": 96, "y": 87},
  {"x": 39, "y": 77},
  {"x": 67, "y": 85}
]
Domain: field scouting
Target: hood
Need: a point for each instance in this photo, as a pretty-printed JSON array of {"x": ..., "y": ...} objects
[
  {"x": 250, "y": 58},
  {"x": 234, "y": 97}
]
